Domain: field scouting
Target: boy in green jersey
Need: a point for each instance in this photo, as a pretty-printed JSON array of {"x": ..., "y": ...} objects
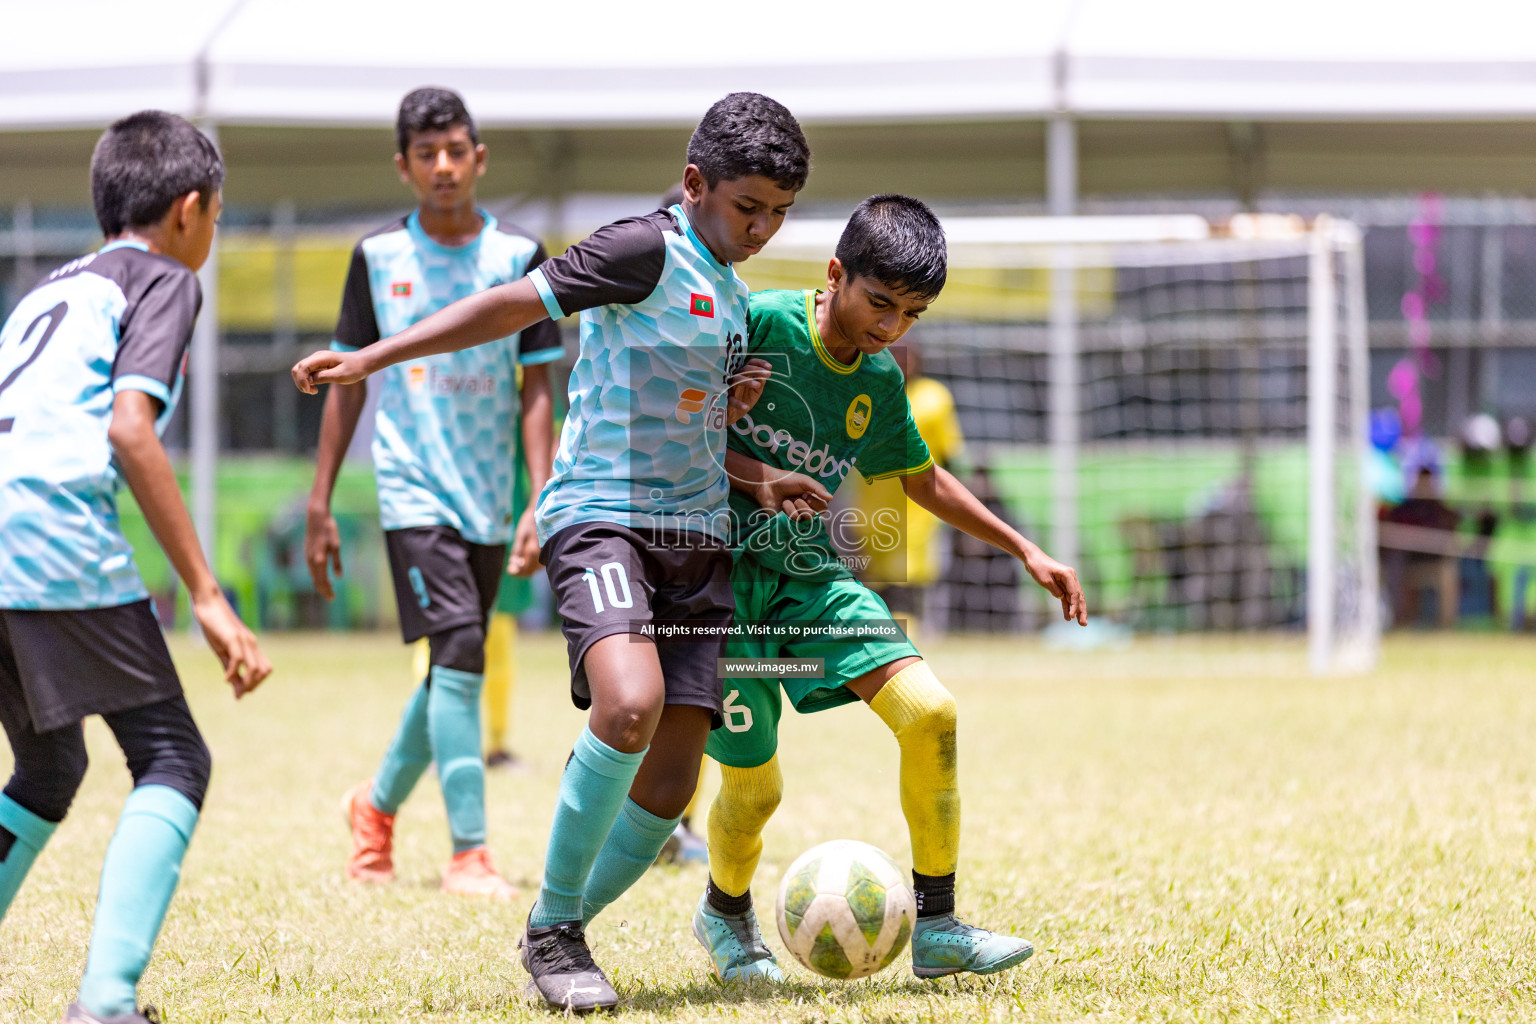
[{"x": 836, "y": 403}]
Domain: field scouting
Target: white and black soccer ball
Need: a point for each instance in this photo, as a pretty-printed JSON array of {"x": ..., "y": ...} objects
[{"x": 845, "y": 909}]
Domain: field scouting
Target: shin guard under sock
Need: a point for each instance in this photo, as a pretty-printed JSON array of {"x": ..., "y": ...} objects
[
  {"x": 631, "y": 848},
  {"x": 138, "y": 878},
  {"x": 922, "y": 715},
  {"x": 747, "y": 799},
  {"x": 593, "y": 788},
  {"x": 408, "y": 755},
  {"x": 453, "y": 724},
  {"x": 29, "y": 834}
]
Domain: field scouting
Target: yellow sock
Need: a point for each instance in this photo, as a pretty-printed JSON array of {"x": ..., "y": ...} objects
[
  {"x": 500, "y": 639},
  {"x": 922, "y": 715},
  {"x": 747, "y": 799},
  {"x": 421, "y": 659}
]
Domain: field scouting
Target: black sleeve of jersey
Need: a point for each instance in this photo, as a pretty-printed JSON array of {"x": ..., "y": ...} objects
[
  {"x": 546, "y": 333},
  {"x": 619, "y": 263},
  {"x": 357, "y": 327},
  {"x": 157, "y": 326}
]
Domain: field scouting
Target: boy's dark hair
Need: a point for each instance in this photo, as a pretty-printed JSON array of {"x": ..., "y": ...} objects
[
  {"x": 897, "y": 241},
  {"x": 747, "y": 133},
  {"x": 430, "y": 109},
  {"x": 144, "y": 163}
]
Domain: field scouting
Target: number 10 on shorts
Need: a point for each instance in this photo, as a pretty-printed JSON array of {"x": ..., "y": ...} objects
[{"x": 615, "y": 581}]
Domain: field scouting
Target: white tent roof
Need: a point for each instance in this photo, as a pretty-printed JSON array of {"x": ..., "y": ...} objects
[{"x": 619, "y": 62}]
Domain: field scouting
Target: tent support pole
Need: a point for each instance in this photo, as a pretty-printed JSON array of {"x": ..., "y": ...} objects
[
  {"x": 1061, "y": 201},
  {"x": 204, "y": 371}
]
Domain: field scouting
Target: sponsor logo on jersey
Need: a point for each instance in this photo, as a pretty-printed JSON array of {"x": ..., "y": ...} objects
[
  {"x": 691, "y": 401},
  {"x": 400, "y": 290},
  {"x": 857, "y": 418},
  {"x": 430, "y": 379},
  {"x": 701, "y": 305},
  {"x": 817, "y": 461}
]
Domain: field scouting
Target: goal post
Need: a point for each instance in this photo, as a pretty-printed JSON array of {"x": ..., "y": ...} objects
[{"x": 1179, "y": 409}]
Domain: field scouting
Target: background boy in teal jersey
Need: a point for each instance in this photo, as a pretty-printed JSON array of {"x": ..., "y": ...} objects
[
  {"x": 632, "y": 520},
  {"x": 91, "y": 364},
  {"x": 835, "y": 404},
  {"x": 443, "y": 461}
]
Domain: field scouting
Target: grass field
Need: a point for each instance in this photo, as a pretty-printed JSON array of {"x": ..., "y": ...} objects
[{"x": 1188, "y": 832}]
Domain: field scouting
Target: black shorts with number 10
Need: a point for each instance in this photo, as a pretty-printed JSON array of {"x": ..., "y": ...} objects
[{"x": 611, "y": 579}]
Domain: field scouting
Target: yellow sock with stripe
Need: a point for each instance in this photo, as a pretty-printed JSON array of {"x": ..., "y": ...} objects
[
  {"x": 747, "y": 799},
  {"x": 500, "y": 639},
  {"x": 921, "y": 712}
]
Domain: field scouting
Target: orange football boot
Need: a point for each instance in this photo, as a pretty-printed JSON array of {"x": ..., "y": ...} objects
[
  {"x": 373, "y": 836},
  {"x": 471, "y": 873}
]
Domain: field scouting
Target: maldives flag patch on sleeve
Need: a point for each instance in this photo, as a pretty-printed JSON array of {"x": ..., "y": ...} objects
[
  {"x": 701, "y": 305},
  {"x": 400, "y": 290}
]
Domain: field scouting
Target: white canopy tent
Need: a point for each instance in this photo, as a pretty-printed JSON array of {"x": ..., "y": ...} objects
[
  {"x": 605, "y": 64},
  {"x": 612, "y": 62}
]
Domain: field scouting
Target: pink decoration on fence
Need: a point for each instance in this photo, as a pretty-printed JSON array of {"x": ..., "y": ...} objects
[{"x": 1419, "y": 364}]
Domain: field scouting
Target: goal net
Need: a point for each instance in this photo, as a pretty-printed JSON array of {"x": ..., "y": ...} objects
[{"x": 1177, "y": 410}]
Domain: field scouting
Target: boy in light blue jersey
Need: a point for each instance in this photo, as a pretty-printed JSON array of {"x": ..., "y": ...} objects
[
  {"x": 633, "y": 518},
  {"x": 91, "y": 364},
  {"x": 444, "y": 438}
]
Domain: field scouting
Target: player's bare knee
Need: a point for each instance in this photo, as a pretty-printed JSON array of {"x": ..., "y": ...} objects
[
  {"x": 628, "y": 721},
  {"x": 665, "y": 797}
]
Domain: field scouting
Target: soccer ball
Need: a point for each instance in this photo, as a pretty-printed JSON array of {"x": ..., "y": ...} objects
[{"x": 845, "y": 911}]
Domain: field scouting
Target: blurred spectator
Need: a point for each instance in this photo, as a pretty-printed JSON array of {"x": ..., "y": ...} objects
[{"x": 1421, "y": 558}]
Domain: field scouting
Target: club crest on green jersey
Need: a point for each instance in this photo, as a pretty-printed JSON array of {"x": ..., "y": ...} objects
[{"x": 857, "y": 418}]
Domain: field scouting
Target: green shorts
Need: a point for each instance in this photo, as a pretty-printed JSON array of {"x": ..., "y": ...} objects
[{"x": 783, "y": 604}]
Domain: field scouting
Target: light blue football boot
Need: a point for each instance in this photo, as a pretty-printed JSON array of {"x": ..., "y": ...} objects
[
  {"x": 734, "y": 944},
  {"x": 944, "y": 945}
]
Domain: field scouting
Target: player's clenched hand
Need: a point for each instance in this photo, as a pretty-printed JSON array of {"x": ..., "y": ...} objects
[
  {"x": 326, "y": 367},
  {"x": 234, "y": 645},
  {"x": 1061, "y": 581},
  {"x": 525, "y": 547},
  {"x": 746, "y": 387},
  {"x": 322, "y": 549},
  {"x": 795, "y": 494}
]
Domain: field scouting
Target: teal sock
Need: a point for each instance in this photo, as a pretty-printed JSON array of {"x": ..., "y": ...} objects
[
  {"x": 32, "y": 834},
  {"x": 138, "y": 879},
  {"x": 631, "y": 848},
  {"x": 453, "y": 723},
  {"x": 407, "y": 757},
  {"x": 595, "y": 784}
]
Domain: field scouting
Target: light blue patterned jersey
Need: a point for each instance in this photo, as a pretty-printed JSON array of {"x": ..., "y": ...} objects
[
  {"x": 116, "y": 320},
  {"x": 663, "y": 324},
  {"x": 443, "y": 434}
]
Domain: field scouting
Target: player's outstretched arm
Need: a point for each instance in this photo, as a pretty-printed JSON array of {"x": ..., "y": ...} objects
[
  {"x": 148, "y": 471},
  {"x": 484, "y": 316},
  {"x": 937, "y": 490},
  {"x": 322, "y": 540},
  {"x": 778, "y": 490},
  {"x": 538, "y": 455}
]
